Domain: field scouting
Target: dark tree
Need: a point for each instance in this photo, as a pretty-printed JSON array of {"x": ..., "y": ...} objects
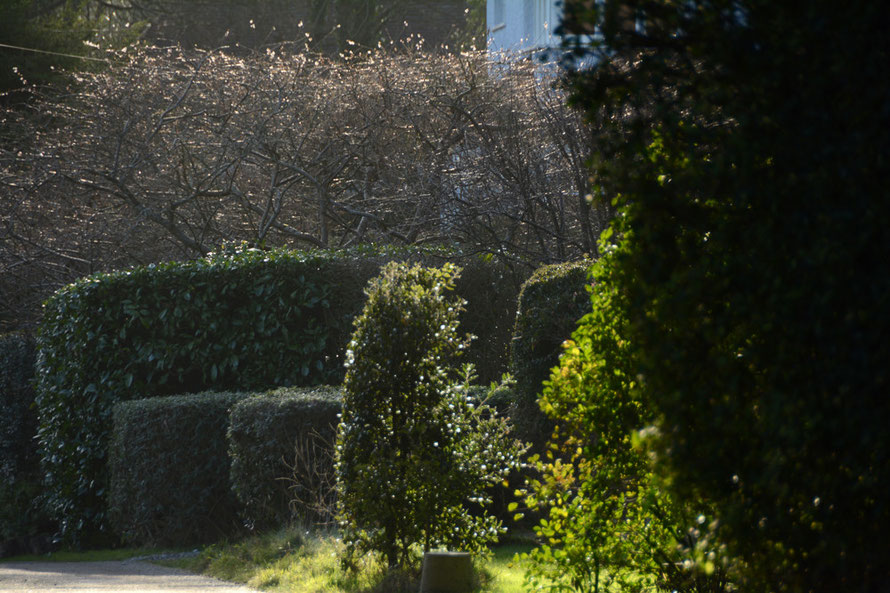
[{"x": 746, "y": 143}]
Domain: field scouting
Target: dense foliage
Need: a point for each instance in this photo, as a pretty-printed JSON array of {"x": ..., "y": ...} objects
[
  {"x": 18, "y": 420},
  {"x": 607, "y": 523},
  {"x": 240, "y": 319},
  {"x": 169, "y": 470},
  {"x": 551, "y": 302},
  {"x": 414, "y": 448},
  {"x": 746, "y": 144},
  {"x": 282, "y": 449},
  {"x": 249, "y": 320}
]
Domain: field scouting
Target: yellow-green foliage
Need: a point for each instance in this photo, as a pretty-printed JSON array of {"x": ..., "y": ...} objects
[{"x": 607, "y": 524}]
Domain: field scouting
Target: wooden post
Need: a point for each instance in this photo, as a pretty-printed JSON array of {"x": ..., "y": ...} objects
[{"x": 446, "y": 572}]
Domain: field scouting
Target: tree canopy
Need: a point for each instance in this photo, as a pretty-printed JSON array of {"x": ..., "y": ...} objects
[{"x": 745, "y": 143}]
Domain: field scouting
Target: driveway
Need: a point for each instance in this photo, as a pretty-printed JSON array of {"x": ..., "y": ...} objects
[{"x": 94, "y": 577}]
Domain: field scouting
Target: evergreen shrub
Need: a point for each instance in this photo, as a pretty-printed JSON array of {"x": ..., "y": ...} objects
[
  {"x": 241, "y": 319},
  {"x": 281, "y": 446},
  {"x": 551, "y": 302},
  {"x": 169, "y": 470},
  {"x": 414, "y": 448}
]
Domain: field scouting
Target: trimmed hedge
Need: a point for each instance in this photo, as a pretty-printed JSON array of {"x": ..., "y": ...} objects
[
  {"x": 551, "y": 303},
  {"x": 242, "y": 319},
  {"x": 264, "y": 436},
  {"x": 169, "y": 469}
]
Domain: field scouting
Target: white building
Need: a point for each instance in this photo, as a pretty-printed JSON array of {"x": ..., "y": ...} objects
[{"x": 522, "y": 26}]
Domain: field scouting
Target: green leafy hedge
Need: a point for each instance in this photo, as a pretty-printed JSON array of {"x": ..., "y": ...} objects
[
  {"x": 169, "y": 470},
  {"x": 281, "y": 448},
  {"x": 242, "y": 319},
  {"x": 551, "y": 302}
]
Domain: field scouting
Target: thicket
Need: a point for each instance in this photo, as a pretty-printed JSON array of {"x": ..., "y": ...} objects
[
  {"x": 281, "y": 446},
  {"x": 414, "y": 448},
  {"x": 745, "y": 144},
  {"x": 169, "y": 470},
  {"x": 167, "y": 153},
  {"x": 240, "y": 319}
]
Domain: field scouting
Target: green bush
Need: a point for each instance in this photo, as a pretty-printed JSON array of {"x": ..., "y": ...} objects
[
  {"x": 606, "y": 523},
  {"x": 551, "y": 302},
  {"x": 242, "y": 319},
  {"x": 413, "y": 447},
  {"x": 169, "y": 470},
  {"x": 746, "y": 146},
  {"x": 281, "y": 446},
  {"x": 21, "y": 509}
]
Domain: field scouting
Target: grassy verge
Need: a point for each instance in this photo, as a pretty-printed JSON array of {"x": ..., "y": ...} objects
[{"x": 294, "y": 561}]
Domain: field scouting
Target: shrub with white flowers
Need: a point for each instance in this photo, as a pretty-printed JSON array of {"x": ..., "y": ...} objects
[{"x": 415, "y": 451}]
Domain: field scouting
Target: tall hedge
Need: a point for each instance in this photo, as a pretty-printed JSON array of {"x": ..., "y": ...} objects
[
  {"x": 169, "y": 470},
  {"x": 551, "y": 302},
  {"x": 281, "y": 446},
  {"x": 240, "y": 319}
]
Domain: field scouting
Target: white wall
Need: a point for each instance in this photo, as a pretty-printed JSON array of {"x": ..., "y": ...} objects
[{"x": 521, "y": 25}]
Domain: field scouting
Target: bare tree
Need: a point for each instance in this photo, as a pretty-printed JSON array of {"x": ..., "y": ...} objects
[{"x": 168, "y": 153}]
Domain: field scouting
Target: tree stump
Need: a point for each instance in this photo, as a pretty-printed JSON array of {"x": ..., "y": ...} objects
[{"x": 446, "y": 572}]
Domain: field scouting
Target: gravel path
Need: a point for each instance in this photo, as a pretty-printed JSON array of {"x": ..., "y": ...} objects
[{"x": 135, "y": 576}]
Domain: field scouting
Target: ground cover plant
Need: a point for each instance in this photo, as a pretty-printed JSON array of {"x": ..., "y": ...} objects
[
  {"x": 296, "y": 560},
  {"x": 414, "y": 448}
]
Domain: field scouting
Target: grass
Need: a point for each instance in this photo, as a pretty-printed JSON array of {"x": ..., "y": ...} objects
[{"x": 295, "y": 561}]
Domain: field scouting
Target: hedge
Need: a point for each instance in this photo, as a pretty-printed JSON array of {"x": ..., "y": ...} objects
[
  {"x": 281, "y": 450},
  {"x": 551, "y": 303},
  {"x": 169, "y": 470},
  {"x": 242, "y": 319}
]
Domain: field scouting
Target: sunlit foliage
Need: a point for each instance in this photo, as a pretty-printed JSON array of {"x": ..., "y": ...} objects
[{"x": 415, "y": 451}]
